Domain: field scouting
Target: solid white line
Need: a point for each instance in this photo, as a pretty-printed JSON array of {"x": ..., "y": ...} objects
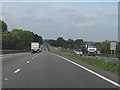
[
  {"x": 16, "y": 71},
  {"x": 28, "y": 61},
  {"x": 104, "y": 78}
]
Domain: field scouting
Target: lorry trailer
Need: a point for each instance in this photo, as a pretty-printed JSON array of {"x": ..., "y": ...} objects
[{"x": 35, "y": 47}]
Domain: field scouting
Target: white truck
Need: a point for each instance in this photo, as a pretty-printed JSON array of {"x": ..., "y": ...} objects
[
  {"x": 89, "y": 49},
  {"x": 35, "y": 47}
]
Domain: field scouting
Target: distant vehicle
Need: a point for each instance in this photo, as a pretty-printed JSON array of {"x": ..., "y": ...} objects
[
  {"x": 98, "y": 52},
  {"x": 78, "y": 52},
  {"x": 89, "y": 49},
  {"x": 35, "y": 47}
]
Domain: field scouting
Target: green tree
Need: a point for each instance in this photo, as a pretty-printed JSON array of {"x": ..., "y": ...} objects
[
  {"x": 3, "y": 26},
  {"x": 71, "y": 44},
  {"x": 79, "y": 43},
  {"x": 38, "y": 38},
  {"x": 118, "y": 49},
  {"x": 10, "y": 41},
  {"x": 104, "y": 47},
  {"x": 60, "y": 42},
  {"x": 25, "y": 38},
  {"x": 19, "y": 39}
]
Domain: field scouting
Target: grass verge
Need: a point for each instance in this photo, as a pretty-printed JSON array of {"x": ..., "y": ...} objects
[{"x": 113, "y": 67}]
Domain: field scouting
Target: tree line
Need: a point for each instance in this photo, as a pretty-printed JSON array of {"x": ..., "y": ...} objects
[
  {"x": 18, "y": 39},
  {"x": 103, "y": 47},
  {"x": 71, "y": 44}
]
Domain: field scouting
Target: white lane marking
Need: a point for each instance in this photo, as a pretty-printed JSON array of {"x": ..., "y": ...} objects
[
  {"x": 104, "y": 78},
  {"x": 16, "y": 71},
  {"x": 28, "y": 61},
  {"x": 38, "y": 54},
  {"x": 14, "y": 54},
  {"x": 32, "y": 58},
  {"x": 1, "y": 55},
  {"x": 5, "y": 79}
]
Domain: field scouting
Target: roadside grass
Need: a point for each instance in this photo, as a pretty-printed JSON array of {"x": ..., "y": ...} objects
[{"x": 113, "y": 67}]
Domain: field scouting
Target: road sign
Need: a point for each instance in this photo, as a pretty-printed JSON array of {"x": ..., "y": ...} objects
[{"x": 112, "y": 45}]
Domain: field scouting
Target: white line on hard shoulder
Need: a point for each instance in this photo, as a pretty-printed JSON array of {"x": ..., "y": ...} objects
[
  {"x": 104, "y": 78},
  {"x": 16, "y": 71}
]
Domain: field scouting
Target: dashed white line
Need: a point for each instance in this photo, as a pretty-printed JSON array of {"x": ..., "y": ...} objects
[
  {"x": 104, "y": 78},
  {"x": 38, "y": 54},
  {"x": 28, "y": 62},
  {"x": 16, "y": 71},
  {"x": 32, "y": 58},
  {"x": 5, "y": 79},
  {"x": 1, "y": 55}
]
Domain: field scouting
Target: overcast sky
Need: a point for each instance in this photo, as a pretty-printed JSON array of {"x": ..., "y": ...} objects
[{"x": 90, "y": 21}]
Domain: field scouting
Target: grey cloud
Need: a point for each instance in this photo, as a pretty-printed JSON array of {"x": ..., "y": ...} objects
[
  {"x": 76, "y": 19},
  {"x": 91, "y": 15},
  {"x": 76, "y": 13},
  {"x": 46, "y": 22},
  {"x": 112, "y": 16},
  {"x": 83, "y": 24},
  {"x": 70, "y": 12},
  {"x": 28, "y": 11}
]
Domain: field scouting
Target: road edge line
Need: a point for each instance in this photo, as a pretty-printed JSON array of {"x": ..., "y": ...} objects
[{"x": 93, "y": 72}]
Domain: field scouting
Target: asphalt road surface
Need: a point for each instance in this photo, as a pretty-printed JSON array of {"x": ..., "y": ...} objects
[{"x": 45, "y": 70}]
